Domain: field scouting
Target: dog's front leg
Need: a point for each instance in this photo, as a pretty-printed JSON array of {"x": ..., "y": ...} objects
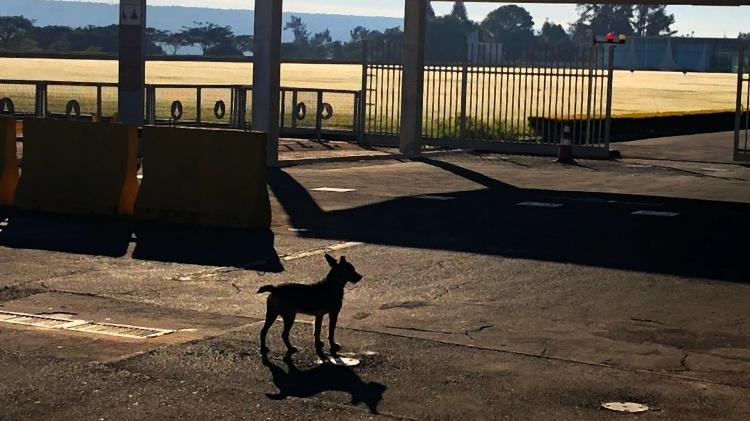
[
  {"x": 318, "y": 327},
  {"x": 334, "y": 316}
]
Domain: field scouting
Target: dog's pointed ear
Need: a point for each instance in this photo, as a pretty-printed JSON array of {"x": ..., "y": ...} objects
[
  {"x": 331, "y": 261},
  {"x": 343, "y": 259}
]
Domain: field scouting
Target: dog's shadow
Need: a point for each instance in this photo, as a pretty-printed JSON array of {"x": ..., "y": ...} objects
[{"x": 323, "y": 378}]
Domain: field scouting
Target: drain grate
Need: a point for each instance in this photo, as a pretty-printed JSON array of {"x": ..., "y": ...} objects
[
  {"x": 32, "y": 320},
  {"x": 124, "y": 331},
  {"x": 109, "y": 329}
]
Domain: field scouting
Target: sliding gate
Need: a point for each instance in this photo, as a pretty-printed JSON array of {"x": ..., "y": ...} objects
[{"x": 520, "y": 106}]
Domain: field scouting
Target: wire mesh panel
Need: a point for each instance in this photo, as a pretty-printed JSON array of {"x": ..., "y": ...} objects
[
  {"x": 217, "y": 105},
  {"x": 108, "y": 102},
  {"x": 742, "y": 126},
  {"x": 338, "y": 111},
  {"x": 18, "y": 97},
  {"x": 184, "y": 101},
  {"x": 61, "y": 97}
]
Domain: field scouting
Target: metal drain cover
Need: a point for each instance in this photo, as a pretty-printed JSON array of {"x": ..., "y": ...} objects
[
  {"x": 47, "y": 322},
  {"x": 123, "y": 331},
  {"x": 626, "y": 407},
  {"x": 340, "y": 361}
]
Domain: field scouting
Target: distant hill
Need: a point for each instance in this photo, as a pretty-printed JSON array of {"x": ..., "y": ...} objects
[{"x": 172, "y": 18}]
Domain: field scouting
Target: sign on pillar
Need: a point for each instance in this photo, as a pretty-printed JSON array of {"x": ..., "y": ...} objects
[{"x": 132, "y": 54}]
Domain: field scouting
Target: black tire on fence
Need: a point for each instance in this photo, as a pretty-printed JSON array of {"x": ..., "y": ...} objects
[
  {"x": 7, "y": 107},
  {"x": 72, "y": 109},
  {"x": 176, "y": 111},
  {"x": 220, "y": 109}
]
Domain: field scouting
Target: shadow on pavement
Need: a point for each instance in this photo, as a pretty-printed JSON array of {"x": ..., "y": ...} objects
[
  {"x": 207, "y": 246},
  {"x": 92, "y": 236},
  {"x": 592, "y": 229},
  {"x": 323, "y": 378},
  {"x": 112, "y": 237}
]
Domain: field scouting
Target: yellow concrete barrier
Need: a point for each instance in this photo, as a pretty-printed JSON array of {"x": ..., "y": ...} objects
[
  {"x": 8, "y": 161},
  {"x": 79, "y": 168},
  {"x": 204, "y": 177}
]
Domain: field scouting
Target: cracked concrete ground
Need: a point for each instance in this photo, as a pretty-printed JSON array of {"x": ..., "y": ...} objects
[{"x": 472, "y": 306}]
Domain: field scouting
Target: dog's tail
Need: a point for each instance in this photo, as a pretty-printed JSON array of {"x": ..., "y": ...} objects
[{"x": 267, "y": 288}]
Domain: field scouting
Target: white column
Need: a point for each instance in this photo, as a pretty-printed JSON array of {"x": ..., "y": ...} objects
[
  {"x": 267, "y": 73},
  {"x": 415, "y": 22}
]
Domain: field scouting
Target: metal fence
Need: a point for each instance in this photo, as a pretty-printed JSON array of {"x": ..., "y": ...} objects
[
  {"x": 314, "y": 113},
  {"x": 742, "y": 123},
  {"x": 529, "y": 105}
]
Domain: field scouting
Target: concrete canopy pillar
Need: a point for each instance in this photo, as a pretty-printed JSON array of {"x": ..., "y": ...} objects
[
  {"x": 267, "y": 73},
  {"x": 415, "y": 23},
  {"x": 132, "y": 62}
]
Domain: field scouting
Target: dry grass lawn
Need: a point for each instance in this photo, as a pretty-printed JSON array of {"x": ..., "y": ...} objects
[{"x": 639, "y": 92}]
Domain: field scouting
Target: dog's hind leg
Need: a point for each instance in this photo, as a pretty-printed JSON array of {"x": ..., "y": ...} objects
[
  {"x": 318, "y": 327},
  {"x": 271, "y": 315},
  {"x": 288, "y": 323}
]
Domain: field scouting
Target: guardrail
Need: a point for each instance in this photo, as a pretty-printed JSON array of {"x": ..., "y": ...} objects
[{"x": 305, "y": 112}]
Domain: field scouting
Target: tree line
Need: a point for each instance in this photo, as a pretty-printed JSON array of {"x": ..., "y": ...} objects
[
  {"x": 509, "y": 25},
  {"x": 18, "y": 33}
]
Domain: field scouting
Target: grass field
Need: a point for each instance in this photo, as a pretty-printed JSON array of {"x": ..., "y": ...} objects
[{"x": 634, "y": 93}]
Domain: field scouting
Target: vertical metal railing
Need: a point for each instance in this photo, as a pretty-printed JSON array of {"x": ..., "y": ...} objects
[
  {"x": 490, "y": 98},
  {"x": 742, "y": 113}
]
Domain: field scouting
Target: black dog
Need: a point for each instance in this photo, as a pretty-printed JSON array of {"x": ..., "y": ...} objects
[{"x": 325, "y": 297}]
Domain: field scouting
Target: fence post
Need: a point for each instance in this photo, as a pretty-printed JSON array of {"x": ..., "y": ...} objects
[
  {"x": 241, "y": 107},
  {"x": 319, "y": 115},
  {"x": 365, "y": 87},
  {"x": 592, "y": 53},
  {"x": 150, "y": 105},
  {"x": 464, "y": 87},
  {"x": 610, "y": 77},
  {"x": 198, "y": 103},
  {"x": 98, "y": 102},
  {"x": 295, "y": 98},
  {"x": 355, "y": 123},
  {"x": 232, "y": 108},
  {"x": 738, "y": 112}
]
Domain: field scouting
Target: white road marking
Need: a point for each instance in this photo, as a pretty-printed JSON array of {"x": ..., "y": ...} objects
[
  {"x": 540, "y": 204},
  {"x": 333, "y": 190},
  {"x": 317, "y": 252},
  {"x": 655, "y": 213}
]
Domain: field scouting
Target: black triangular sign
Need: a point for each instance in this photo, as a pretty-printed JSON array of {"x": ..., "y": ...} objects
[{"x": 134, "y": 16}]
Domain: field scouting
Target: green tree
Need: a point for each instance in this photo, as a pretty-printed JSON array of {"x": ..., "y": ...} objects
[
  {"x": 174, "y": 41},
  {"x": 601, "y": 19},
  {"x": 446, "y": 39},
  {"x": 430, "y": 11},
  {"x": 553, "y": 36},
  {"x": 513, "y": 27},
  {"x": 244, "y": 43},
  {"x": 52, "y": 38},
  {"x": 299, "y": 29},
  {"x": 211, "y": 38},
  {"x": 15, "y": 32},
  {"x": 459, "y": 11},
  {"x": 652, "y": 20}
]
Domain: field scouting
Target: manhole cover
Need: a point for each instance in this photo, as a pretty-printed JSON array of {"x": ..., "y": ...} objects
[
  {"x": 340, "y": 361},
  {"x": 626, "y": 407}
]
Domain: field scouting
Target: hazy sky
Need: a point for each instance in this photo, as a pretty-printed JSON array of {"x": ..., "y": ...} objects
[{"x": 705, "y": 21}]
